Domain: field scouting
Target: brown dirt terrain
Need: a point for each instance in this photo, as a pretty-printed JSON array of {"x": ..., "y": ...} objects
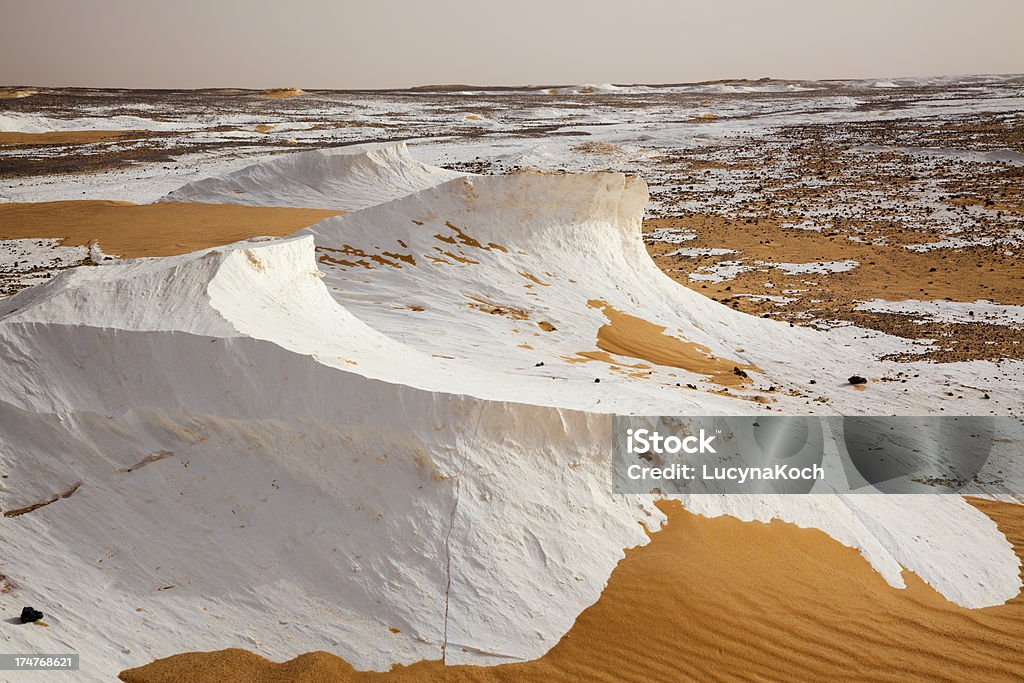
[
  {"x": 871, "y": 188},
  {"x": 887, "y": 272},
  {"x": 67, "y": 137}
]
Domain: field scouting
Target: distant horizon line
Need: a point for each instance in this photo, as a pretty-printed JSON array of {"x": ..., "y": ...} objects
[{"x": 440, "y": 87}]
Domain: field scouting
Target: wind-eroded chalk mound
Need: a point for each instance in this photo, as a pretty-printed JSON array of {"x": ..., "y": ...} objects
[
  {"x": 193, "y": 478},
  {"x": 382, "y": 437},
  {"x": 346, "y": 178}
]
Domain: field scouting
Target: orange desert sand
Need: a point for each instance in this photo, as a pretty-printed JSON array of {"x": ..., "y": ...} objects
[
  {"x": 721, "y": 598},
  {"x": 162, "y": 229},
  {"x": 7, "y": 94},
  {"x": 280, "y": 93},
  {"x": 633, "y": 337}
]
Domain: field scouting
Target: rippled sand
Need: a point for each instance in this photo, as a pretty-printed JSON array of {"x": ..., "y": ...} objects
[{"x": 720, "y": 598}]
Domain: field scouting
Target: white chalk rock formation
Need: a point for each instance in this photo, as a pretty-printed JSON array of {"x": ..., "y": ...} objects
[
  {"x": 343, "y": 440},
  {"x": 344, "y": 178}
]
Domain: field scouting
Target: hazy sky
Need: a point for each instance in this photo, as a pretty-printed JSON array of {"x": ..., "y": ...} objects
[{"x": 382, "y": 43}]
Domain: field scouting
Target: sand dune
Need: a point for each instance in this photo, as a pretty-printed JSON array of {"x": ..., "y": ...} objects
[
  {"x": 16, "y": 93},
  {"x": 721, "y": 599},
  {"x": 280, "y": 93}
]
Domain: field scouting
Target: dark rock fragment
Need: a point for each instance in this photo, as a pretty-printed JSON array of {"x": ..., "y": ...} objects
[{"x": 30, "y": 614}]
